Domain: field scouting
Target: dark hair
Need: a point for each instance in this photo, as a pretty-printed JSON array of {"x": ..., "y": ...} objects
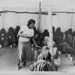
[
  {"x": 3, "y": 30},
  {"x": 70, "y": 31},
  {"x": 58, "y": 30},
  {"x": 46, "y": 33},
  {"x": 30, "y": 22}
]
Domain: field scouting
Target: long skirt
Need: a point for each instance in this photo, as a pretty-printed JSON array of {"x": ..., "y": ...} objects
[{"x": 25, "y": 52}]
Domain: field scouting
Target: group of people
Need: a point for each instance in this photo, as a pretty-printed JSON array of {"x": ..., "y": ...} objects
[
  {"x": 65, "y": 41},
  {"x": 33, "y": 44},
  {"x": 9, "y": 38},
  {"x": 29, "y": 38}
]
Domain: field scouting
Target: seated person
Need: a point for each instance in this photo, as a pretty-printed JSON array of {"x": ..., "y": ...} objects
[
  {"x": 44, "y": 63},
  {"x": 11, "y": 37},
  {"x": 57, "y": 61},
  {"x": 3, "y": 38}
]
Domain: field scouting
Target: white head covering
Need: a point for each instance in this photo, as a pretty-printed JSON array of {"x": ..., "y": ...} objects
[{"x": 47, "y": 40}]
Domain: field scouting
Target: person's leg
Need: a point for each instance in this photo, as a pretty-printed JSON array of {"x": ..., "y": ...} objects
[
  {"x": 20, "y": 52},
  {"x": 20, "y": 47},
  {"x": 27, "y": 54}
]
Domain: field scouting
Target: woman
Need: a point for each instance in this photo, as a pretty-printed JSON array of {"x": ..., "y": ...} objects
[
  {"x": 44, "y": 63},
  {"x": 3, "y": 38},
  {"x": 11, "y": 37},
  {"x": 24, "y": 45}
]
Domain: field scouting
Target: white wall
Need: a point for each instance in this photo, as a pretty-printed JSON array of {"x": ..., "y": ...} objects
[
  {"x": 60, "y": 20},
  {"x": 63, "y": 20},
  {"x": 12, "y": 19}
]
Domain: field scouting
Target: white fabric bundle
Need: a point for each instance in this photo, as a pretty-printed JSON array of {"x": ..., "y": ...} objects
[{"x": 57, "y": 61}]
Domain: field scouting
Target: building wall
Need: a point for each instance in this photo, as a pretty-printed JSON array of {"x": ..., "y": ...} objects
[
  {"x": 12, "y": 19},
  {"x": 62, "y": 20}
]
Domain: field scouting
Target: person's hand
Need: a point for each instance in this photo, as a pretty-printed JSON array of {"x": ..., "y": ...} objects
[{"x": 37, "y": 46}]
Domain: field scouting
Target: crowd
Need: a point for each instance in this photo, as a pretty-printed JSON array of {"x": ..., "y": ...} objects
[
  {"x": 45, "y": 61},
  {"x": 63, "y": 42},
  {"x": 9, "y": 38}
]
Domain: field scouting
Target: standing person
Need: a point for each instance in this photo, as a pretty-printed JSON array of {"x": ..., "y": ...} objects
[{"x": 24, "y": 45}]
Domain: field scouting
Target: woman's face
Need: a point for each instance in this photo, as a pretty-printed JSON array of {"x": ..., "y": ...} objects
[{"x": 31, "y": 26}]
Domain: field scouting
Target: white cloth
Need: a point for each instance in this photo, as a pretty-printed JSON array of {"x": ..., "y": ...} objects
[
  {"x": 57, "y": 61},
  {"x": 54, "y": 50},
  {"x": 25, "y": 30},
  {"x": 47, "y": 41},
  {"x": 43, "y": 54}
]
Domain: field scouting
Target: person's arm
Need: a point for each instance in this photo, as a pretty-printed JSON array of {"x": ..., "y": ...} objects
[
  {"x": 26, "y": 35},
  {"x": 33, "y": 39}
]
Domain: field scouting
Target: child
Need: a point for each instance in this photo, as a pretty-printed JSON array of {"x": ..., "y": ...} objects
[{"x": 57, "y": 61}]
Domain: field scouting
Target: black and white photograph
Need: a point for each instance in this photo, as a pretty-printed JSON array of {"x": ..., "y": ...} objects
[{"x": 37, "y": 36}]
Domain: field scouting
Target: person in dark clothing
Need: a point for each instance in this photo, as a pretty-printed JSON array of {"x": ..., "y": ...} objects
[
  {"x": 16, "y": 34},
  {"x": 45, "y": 33},
  {"x": 69, "y": 31},
  {"x": 17, "y": 29},
  {"x": 11, "y": 37},
  {"x": 58, "y": 31},
  {"x": 3, "y": 37},
  {"x": 56, "y": 35}
]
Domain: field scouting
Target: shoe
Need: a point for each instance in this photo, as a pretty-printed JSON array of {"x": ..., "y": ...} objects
[{"x": 19, "y": 65}]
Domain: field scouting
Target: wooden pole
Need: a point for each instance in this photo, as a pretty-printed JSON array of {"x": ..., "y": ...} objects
[
  {"x": 71, "y": 19},
  {"x": 50, "y": 31},
  {"x": 39, "y": 22}
]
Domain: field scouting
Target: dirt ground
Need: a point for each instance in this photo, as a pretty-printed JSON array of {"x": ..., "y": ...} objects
[{"x": 9, "y": 60}]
